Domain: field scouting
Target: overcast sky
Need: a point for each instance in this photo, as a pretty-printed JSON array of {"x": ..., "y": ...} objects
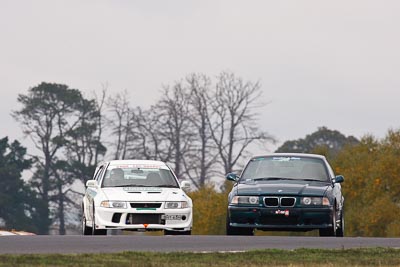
[{"x": 320, "y": 63}]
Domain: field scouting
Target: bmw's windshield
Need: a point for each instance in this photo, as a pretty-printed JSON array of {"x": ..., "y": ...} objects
[
  {"x": 139, "y": 176},
  {"x": 285, "y": 168}
]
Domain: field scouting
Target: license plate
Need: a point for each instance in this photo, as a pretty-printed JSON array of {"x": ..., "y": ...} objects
[
  {"x": 282, "y": 212},
  {"x": 173, "y": 217}
]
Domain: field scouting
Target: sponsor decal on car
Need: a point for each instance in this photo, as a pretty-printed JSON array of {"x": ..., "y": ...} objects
[
  {"x": 91, "y": 192},
  {"x": 141, "y": 166},
  {"x": 282, "y": 212},
  {"x": 135, "y": 189}
]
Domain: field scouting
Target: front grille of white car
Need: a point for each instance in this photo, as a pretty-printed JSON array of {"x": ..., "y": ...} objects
[
  {"x": 143, "y": 218},
  {"x": 145, "y": 205}
]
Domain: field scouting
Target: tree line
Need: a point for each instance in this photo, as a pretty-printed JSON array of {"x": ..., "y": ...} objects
[{"x": 202, "y": 126}]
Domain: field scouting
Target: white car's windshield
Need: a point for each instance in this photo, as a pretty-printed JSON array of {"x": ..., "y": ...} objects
[
  {"x": 282, "y": 167},
  {"x": 133, "y": 176}
]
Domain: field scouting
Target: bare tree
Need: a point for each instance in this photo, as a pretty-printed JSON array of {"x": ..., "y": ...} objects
[
  {"x": 99, "y": 102},
  {"x": 174, "y": 116},
  {"x": 203, "y": 155},
  {"x": 233, "y": 123},
  {"x": 146, "y": 140},
  {"x": 195, "y": 125},
  {"x": 120, "y": 122}
]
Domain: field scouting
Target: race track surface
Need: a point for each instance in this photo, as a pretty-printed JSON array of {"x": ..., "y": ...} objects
[{"x": 101, "y": 244}]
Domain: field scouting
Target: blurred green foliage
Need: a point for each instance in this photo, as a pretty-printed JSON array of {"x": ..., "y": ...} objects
[
  {"x": 209, "y": 211},
  {"x": 372, "y": 185}
]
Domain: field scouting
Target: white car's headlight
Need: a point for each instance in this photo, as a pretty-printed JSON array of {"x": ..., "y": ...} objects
[
  {"x": 315, "y": 201},
  {"x": 176, "y": 205},
  {"x": 113, "y": 204},
  {"x": 252, "y": 200}
]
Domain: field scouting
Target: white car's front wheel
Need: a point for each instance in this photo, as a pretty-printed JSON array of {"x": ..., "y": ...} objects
[
  {"x": 167, "y": 232},
  {"x": 86, "y": 230},
  {"x": 94, "y": 230}
]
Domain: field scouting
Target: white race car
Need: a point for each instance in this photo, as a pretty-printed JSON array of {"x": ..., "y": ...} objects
[{"x": 137, "y": 195}]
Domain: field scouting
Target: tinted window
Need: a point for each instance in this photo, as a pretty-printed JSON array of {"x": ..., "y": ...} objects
[
  {"x": 99, "y": 173},
  {"x": 286, "y": 167},
  {"x": 132, "y": 176}
]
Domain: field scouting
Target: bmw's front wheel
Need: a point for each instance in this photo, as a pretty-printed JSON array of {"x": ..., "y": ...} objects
[
  {"x": 340, "y": 229},
  {"x": 330, "y": 231},
  {"x": 230, "y": 230}
]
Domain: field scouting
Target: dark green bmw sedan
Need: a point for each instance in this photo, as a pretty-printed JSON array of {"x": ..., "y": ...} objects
[{"x": 286, "y": 192}]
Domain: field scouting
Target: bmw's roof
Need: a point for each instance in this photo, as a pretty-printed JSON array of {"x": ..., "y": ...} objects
[{"x": 290, "y": 155}]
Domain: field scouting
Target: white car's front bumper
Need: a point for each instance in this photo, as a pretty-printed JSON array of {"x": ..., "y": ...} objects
[{"x": 144, "y": 219}]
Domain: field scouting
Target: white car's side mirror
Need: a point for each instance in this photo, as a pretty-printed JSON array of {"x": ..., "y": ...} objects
[
  {"x": 185, "y": 185},
  {"x": 91, "y": 183}
]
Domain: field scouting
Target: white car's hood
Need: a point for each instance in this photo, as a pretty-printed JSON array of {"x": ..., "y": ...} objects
[{"x": 144, "y": 194}]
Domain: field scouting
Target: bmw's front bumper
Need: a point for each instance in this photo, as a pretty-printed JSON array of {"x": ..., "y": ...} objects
[{"x": 281, "y": 219}]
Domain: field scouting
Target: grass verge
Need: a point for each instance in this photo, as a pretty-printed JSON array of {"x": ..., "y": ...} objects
[{"x": 270, "y": 257}]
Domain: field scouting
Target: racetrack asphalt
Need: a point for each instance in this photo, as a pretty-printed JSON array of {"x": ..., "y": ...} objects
[{"x": 107, "y": 244}]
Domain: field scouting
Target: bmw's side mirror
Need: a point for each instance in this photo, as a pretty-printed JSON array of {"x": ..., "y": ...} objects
[
  {"x": 185, "y": 185},
  {"x": 91, "y": 183},
  {"x": 232, "y": 177},
  {"x": 339, "y": 179}
]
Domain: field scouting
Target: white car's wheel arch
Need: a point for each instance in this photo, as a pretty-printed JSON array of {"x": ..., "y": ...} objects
[{"x": 86, "y": 211}]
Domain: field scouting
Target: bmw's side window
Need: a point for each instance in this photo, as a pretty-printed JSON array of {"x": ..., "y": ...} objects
[{"x": 331, "y": 173}]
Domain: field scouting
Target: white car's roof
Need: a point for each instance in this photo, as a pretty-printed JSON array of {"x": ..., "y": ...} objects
[
  {"x": 137, "y": 162},
  {"x": 291, "y": 155}
]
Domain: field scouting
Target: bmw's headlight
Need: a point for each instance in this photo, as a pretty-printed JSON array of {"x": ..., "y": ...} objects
[
  {"x": 315, "y": 201},
  {"x": 176, "y": 205},
  {"x": 252, "y": 200},
  {"x": 113, "y": 204}
]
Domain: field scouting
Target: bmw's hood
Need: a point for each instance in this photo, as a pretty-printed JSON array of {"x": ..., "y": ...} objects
[
  {"x": 299, "y": 188},
  {"x": 143, "y": 194}
]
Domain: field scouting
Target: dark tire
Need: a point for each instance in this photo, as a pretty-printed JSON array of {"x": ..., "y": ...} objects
[
  {"x": 100, "y": 232},
  {"x": 230, "y": 230},
  {"x": 86, "y": 230},
  {"x": 167, "y": 232},
  {"x": 94, "y": 230},
  {"x": 340, "y": 229},
  {"x": 331, "y": 231}
]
